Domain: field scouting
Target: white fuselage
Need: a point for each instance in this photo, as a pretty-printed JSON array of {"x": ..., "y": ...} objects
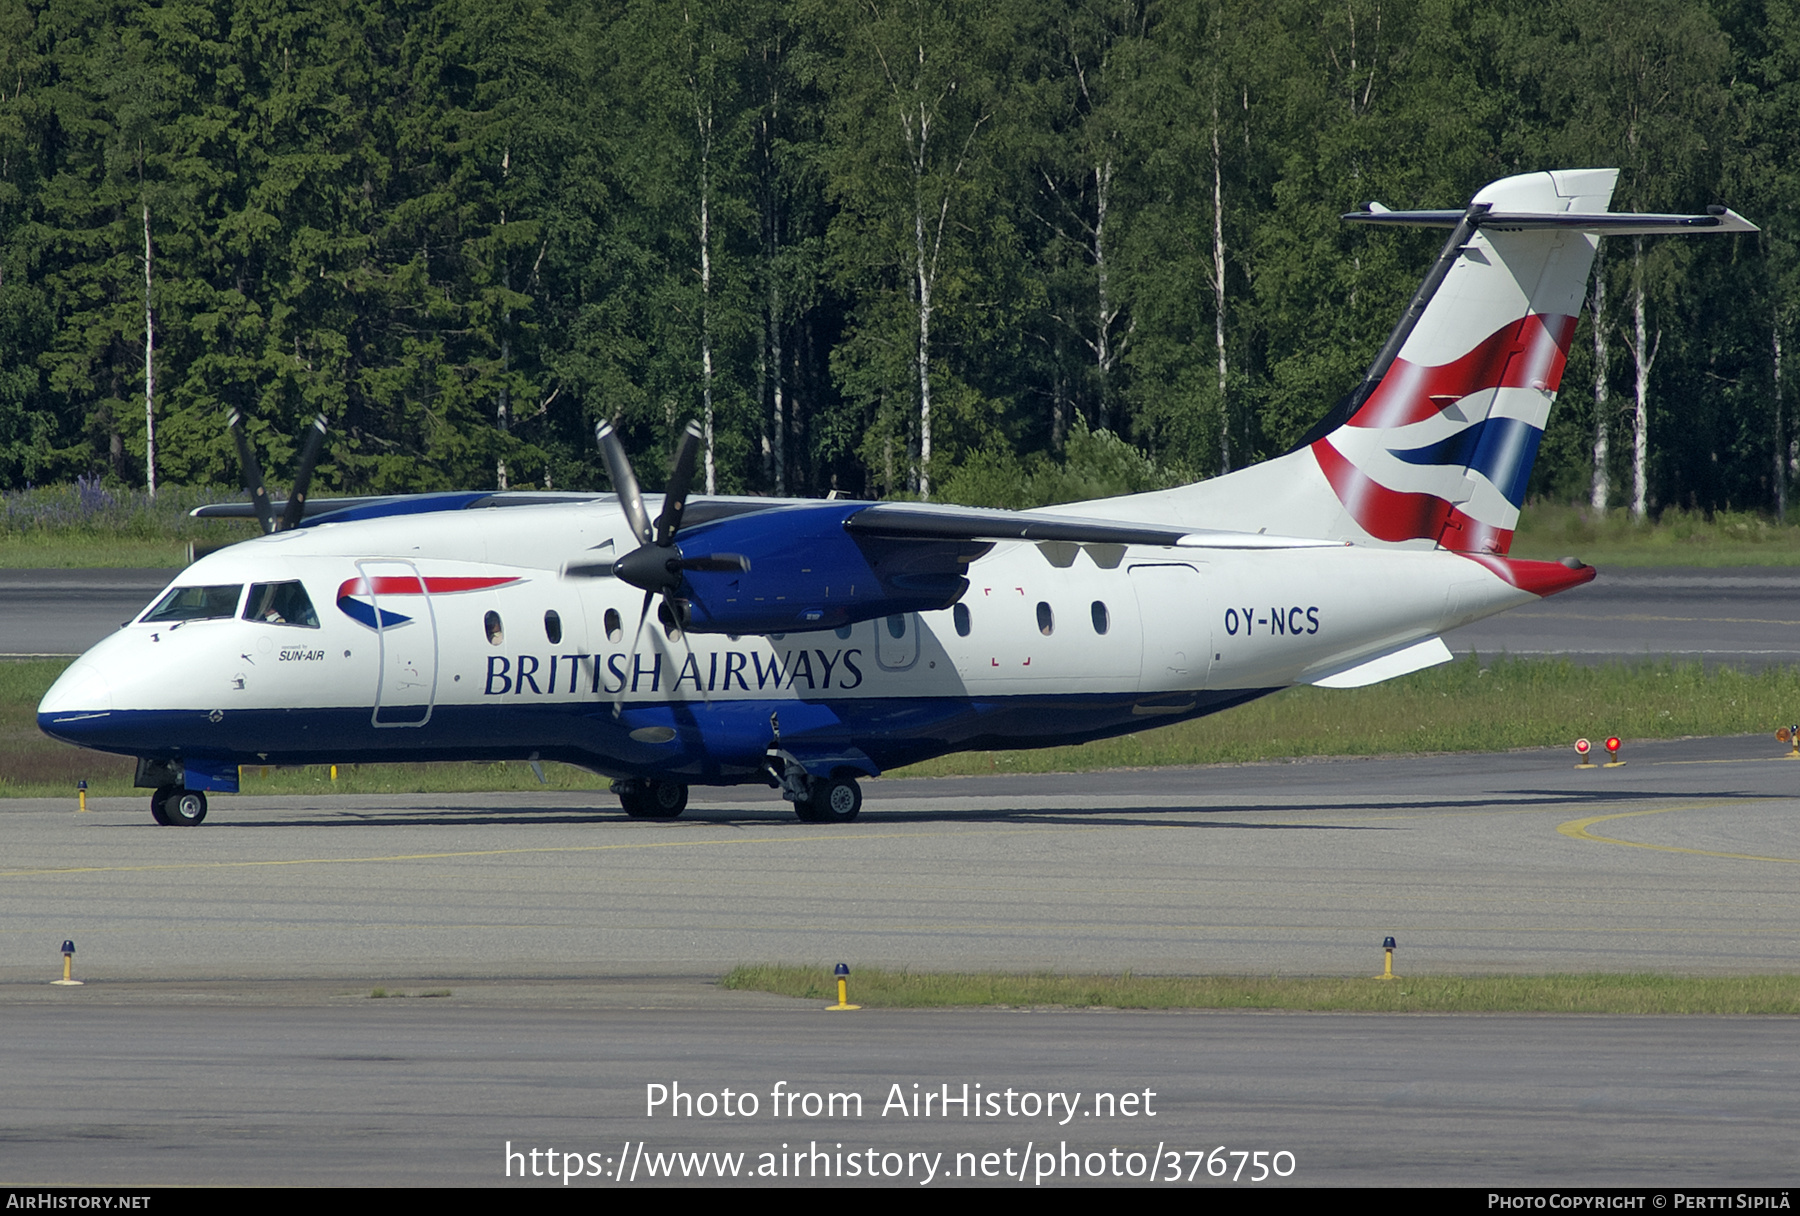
[{"x": 1045, "y": 653}]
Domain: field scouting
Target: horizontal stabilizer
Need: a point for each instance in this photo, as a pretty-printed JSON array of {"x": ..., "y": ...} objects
[
  {"x": 1404, "y": 661},
  {"x": 1722, "y": 219}
]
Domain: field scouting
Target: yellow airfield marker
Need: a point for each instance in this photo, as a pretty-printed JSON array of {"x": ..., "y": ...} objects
[
  {"x": 68, "y": 953},
  {"x": 81, "y": 793},
  {"x": 843, "y": 979},
  {"x": 1387, "y": 969}
]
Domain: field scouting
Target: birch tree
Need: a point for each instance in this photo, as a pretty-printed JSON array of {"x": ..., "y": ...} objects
[{"x": 912, "y": 104}]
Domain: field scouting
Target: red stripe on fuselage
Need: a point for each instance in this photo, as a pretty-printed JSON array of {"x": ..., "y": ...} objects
[
  {"x": 406, "y": 584},
  {"x": 1528, "y": 353}
]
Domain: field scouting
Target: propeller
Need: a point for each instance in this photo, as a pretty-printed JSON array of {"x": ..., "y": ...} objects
[
  {"x": 657, "y": 565},
  {"x": 253, "y": 478}
]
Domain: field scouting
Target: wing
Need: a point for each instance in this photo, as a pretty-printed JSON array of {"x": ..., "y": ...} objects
[{"x": 927, "y": 521}]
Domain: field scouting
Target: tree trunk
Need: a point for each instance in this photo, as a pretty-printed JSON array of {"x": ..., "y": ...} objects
[
  {"x": 703, "y": 120},
  {"x": 503, "y": 406},
  {"x": 1780, "y": 442},
  {"x": 1602, "y": 416},
  {"x": 1645, "y": 357},
  {"x": 924, "y": 353},
  {"x": 1103, "y": 352},
  {"x": 149, "y": 369},
  {"x": 1219, "y": 295}
]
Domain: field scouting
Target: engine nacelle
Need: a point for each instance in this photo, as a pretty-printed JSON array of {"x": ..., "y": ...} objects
[{"x": 808, "y": 572}]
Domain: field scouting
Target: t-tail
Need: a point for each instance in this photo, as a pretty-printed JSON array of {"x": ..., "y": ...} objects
[{"x": 1434, "y": 448}]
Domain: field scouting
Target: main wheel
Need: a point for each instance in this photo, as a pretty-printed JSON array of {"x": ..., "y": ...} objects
[
  {"x": 655, "y": 800},
  {"x": 158, "y": 811},
  {"x": 182, "y": 808},
  {"x": 833, "y": 800}
]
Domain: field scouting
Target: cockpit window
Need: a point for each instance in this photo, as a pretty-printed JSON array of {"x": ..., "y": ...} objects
[
  {"x": 194, "y": 604},
  {"x": 280, "y": 604}
]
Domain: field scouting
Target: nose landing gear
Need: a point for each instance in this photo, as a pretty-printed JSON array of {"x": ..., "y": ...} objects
[{"x": 173, "y": 806}]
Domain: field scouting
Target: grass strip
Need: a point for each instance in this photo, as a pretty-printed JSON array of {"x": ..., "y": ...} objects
[
  {"x": 1592, "y": 993},
  {"x": 1548, "y": 531},
  {"x": 1465, "y": 706}
]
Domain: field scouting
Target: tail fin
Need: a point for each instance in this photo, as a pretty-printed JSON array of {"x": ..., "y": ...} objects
[
  {"x": 1435, "y": 447},
  {"x": 1440, "y": 441}
]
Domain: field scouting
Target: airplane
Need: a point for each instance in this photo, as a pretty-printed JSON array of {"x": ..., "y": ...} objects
[{"x": 814, "y": 644}]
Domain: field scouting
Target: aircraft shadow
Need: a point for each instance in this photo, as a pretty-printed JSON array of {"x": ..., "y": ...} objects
[{"x": 772, "y": 814}]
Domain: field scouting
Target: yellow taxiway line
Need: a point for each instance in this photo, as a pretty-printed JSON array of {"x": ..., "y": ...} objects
[{"x": 1577, "y": 829}]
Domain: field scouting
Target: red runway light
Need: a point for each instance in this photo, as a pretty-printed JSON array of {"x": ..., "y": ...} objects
[{"x": 1612, "y": 745}]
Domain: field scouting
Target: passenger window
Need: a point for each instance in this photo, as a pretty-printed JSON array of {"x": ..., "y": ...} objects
[
  {"x": 960, "y": 615},
  {"x": 843, "y": 632},
  {"x": 195, "y": 604},
  {"x": 1101, "y": 620},
  {"x": 553, "y": 627},
  {"x": 495, "y": 634},
  {"x": 615, "y": 632},
  {"x": 1046, "y": 621},
  {"x": 896, "y": 625},
  {"x": 280, "y": 604}
]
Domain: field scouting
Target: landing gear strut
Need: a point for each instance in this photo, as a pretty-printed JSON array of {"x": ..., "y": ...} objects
[
  {"x": 830, "y": 800},
  {"x": 173, "y": 806},
  {"x": 651, "y": 799}
]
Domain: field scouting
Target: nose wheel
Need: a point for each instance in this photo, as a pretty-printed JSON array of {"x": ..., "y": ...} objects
[
  {"x": 830, "y": 800},
  {"x": 173, "y": 806}
]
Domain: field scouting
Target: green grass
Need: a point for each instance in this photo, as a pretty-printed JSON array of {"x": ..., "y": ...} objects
[
  {"x": 383, "y": 994},
  {"x": 92, "y": 524},
  {"x": 1463, "y": 706},
  {"x": 1459, "y": 707},
  {"x": 1619, "y": 994},
  {"x": 72, "y": 553},
  {"x": 1675, "y": 538}
]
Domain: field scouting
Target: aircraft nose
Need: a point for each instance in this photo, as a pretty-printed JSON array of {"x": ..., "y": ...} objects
[{"x": 81, "y": 699}]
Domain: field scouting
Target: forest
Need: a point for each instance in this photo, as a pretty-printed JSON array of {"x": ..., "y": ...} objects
[{"x": 1007, "y": 252}]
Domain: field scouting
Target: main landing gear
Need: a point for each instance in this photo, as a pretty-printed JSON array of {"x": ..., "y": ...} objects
[
  {"x": 651, "y": 799},
  {"x": 173, "y": 806},
  {"x": 830, "y": 800}
]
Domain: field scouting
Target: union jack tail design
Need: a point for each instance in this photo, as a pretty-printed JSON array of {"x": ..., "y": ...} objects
[{"x": 1441, "y": 445}]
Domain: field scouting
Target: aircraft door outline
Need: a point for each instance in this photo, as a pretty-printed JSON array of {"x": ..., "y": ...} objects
[{"x": 406, "y": 650}]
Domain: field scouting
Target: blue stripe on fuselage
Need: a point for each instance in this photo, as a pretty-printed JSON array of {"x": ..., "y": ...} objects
[{"x": 721, "y": 743}]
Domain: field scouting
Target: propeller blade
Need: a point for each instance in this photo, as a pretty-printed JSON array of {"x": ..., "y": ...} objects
[
  {"x": 643, "y": 615},
  {"x": 681, "y": 480},
  {"x": 309, "y": 456},
  {"x": 716, "y": 563},
  {"x": 253, "y": 478},
  {"x": 618, "y": 467}
]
